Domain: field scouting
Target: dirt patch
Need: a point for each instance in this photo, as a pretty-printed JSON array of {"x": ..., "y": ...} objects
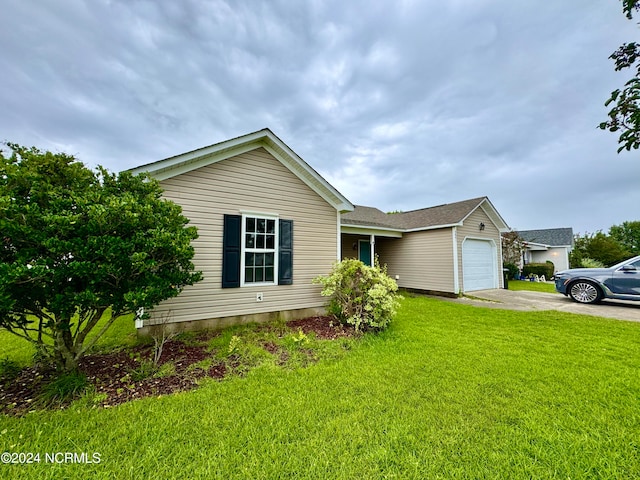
[
  {"x": 118, "y": 377},
  {"x": 323, "y": 327}
]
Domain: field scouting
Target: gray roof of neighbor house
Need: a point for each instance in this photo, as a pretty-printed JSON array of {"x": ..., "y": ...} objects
[
  {"x": 449, "y": 214},
  {"x": 554, "y": 237}
]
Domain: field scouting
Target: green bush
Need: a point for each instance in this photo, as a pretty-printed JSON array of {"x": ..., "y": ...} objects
[
  {"x": 362, "y": 296},
  {"x": 586, "y": 262},
  {"x": 513, "y": 270},
  {"x": 545, "y": 269}
]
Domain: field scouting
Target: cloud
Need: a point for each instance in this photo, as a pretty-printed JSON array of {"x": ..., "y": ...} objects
[{"x": 400, "y": 105}]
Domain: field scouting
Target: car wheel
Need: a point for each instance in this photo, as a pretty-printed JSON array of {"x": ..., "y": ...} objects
[{"x": 584, "y": 291}]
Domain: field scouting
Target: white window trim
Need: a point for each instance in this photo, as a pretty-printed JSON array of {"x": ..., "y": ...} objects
[{"x": 266, "y": 216}]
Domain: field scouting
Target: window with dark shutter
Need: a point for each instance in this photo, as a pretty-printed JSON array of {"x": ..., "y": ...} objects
[{"x": 253, "y": 254}]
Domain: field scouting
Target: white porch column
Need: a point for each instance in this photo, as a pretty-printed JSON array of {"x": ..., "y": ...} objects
[
  {"x": 372, "y": 242},
  {"x": 339, "y": 237}
]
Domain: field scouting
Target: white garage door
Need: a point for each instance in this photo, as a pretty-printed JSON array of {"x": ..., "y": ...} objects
[{"x": 478, "y": 265}]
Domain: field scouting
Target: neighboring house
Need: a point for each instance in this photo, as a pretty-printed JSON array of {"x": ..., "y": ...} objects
[
  {"x": 268, "y": 224},
  {"x": 551, "y": 244},
  {"x": 449, "y": 249}
]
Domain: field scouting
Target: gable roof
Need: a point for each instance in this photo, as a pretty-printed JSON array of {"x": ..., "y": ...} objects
[
  {"x": 554, "y": 237},
  {"x": 447, "y": 215},
  {"x": 265, "y": 138}
]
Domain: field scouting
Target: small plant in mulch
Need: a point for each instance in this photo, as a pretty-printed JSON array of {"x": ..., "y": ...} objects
[
  {"x": 9, "y": 371},
  {"x": 63, "y": 388},
  {"x": 182, "y": 363}
]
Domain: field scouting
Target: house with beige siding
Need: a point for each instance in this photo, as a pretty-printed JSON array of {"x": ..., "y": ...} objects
[
  {"x": 268, "y": 224},
  {"x": 447, "y": 249},
  {"x": 548, "y": 245}
]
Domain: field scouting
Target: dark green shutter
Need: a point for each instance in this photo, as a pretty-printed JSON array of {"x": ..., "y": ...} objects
[
  {"x": 285, "y": 253},
  {"x": 231, "y": 248}
]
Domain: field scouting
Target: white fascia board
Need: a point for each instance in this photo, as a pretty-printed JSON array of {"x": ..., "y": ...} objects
[
  {"x": 536, "y": 246},
  {"x": 309, "y": 176},
  {"x": 493, "y": 215},
  {"x": 185, "y": 163},
  {"x": 189, "y": 161},
  {"x": 371, "y": 230},
  {"x": 433, "y": 227}
]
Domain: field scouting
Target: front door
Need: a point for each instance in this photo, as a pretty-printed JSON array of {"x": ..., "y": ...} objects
[{"x": 364, "y": 251}]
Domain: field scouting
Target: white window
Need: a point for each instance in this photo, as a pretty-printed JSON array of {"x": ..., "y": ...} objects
[{"x": 259, "y": 259}]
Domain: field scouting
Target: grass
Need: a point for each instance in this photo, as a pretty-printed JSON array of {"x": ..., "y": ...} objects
[
  {"x": 449, "y": 391},
  {"x": 532, "y": 286},
  {"x": 121, "y": 333}
]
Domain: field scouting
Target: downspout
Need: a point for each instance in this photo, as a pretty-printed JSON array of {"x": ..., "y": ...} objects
[{"x": 456, "y": 277}]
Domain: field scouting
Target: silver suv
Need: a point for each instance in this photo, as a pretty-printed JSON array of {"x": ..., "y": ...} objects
[{"x": 590, "y": 285}]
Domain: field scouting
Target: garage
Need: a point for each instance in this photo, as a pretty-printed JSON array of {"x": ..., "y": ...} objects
[{"x": 479, "y": 265}]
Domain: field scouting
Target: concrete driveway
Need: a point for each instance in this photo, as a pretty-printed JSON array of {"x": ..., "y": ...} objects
[{"x": 525, "y": 300}]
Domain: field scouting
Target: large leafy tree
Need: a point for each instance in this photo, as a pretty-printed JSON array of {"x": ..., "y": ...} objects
[
  {"x": 628, "y": 235},
  {"x": 77, "y": 245},
  {"x": 602, "y": 248},
  {"x": 624, "y": 117}
]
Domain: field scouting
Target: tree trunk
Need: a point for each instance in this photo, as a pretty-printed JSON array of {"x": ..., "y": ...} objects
[{"x": 64, "y": 352}]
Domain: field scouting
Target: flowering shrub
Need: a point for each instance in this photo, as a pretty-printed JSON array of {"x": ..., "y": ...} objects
[{"x": 362, "y": 296}]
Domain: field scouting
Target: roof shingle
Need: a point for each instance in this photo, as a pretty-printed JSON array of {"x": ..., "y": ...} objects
[
  {"x": 441, "y": 215},
  {"x": 549, "y": 236}
]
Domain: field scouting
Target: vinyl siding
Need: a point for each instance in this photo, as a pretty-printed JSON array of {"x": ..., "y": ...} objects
[
  {"x": 254, "y": 182},
  {"x": 471, "y": 229},
  {"x": 557, "y": 255},
  {"x": 423, "y": 260}
]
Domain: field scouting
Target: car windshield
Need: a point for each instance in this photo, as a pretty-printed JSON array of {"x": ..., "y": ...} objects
[{"x": 618, "y": 265}]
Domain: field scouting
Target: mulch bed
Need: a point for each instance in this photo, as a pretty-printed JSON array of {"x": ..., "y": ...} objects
[
  {"x": 326, "y": 328},
  {"x": 111, "y": 373}
]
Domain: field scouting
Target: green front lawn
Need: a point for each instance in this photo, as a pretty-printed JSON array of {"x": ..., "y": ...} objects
[
  {"x": 449, "y": 391},
  {"x": 122, "y": 333},
  {"x": 532, "y": 286}
]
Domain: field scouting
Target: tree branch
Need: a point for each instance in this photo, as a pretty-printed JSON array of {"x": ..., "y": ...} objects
[
  {"x": 95, "y": 318},
  {"x": 98, "y": 335}
]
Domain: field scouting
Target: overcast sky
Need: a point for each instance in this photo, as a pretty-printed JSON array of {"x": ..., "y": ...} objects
[{"x": 399, "y": 104}]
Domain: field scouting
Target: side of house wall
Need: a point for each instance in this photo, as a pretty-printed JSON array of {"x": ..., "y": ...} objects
[
  {"x": 422, "y": 260},
  {"x": 251, "y": 182},
  {"x": 471, "y": 229},
  {"x": 557, "y": 255}
]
